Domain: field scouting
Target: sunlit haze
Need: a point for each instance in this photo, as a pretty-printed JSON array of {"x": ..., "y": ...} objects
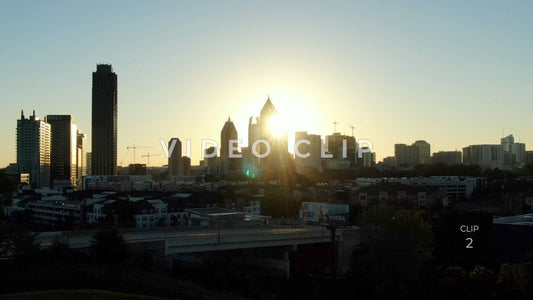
[{"x": 452, "y": 73}]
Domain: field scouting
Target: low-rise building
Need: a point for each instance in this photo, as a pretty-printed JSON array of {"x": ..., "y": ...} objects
[
  {"x": 456, "y": 188},
  {"x": 56, "y": 212},
  {"x": 447, "y": 157},
  {"x": 118, "y": 182},
  {"x": 399, "y": 194}
]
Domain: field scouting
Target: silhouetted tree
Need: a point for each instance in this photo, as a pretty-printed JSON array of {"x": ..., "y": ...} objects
[
  {"x": 396, "y": 246},
  {"x": 22, "y": 245},
  {"x": 482, "y": 283},
  {"x": 451, "y": 283},
  {"x": 5, "y": 241},
  {"x": 21, "y": 219},
  {"x": 527, "y": 170},
  {"x": 7, "y": 185},
  {"x": 107, "y": 246},
  {"x": 516, "y": 279},
  {"x": 279, "y": 202},
  {"x": 60, "y": 251},
  {"x": 368, "y": 172}
]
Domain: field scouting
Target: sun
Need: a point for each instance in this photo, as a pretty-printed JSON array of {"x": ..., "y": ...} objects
[
  {"x": 296, "y": 111},
  {"x": 277, "y": 125}
]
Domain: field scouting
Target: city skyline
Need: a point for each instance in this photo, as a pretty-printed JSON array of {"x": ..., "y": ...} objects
[{"x": 448, "y": 86}]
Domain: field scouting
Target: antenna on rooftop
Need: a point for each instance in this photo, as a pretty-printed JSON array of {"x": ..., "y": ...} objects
[{"x": 352, "y": 127}]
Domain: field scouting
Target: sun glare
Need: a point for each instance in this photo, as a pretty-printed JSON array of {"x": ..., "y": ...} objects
[
  {"x": 277, "y": 125},
  {"x": 296, "y": 111}
]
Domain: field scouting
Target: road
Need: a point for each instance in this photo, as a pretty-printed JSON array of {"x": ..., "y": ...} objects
[{"x": 82, "y": 239}]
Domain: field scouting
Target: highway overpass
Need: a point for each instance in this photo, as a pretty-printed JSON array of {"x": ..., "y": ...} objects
[
  {"x": 204, "y": 239},
  {"x": 183, "y": 241}
]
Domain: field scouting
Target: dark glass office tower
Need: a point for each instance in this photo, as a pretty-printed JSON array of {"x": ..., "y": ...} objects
[
  {"x": 174, "y": 161},
  {"x": 63, "y": 159},
  {"x": 104, "y": 122}
]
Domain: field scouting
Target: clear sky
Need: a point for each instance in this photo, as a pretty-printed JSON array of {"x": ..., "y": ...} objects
[{"x": 452, "y": 73}]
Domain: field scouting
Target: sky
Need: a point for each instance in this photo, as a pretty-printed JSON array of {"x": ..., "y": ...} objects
[{"x": 453, "y": 73}]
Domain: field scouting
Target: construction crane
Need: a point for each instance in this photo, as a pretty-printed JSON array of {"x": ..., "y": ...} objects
[
  {"x": 124, "y": 157},
  {"x": 335, "y": 124},
  {"x": 147, "y": 155},
  {"x": 352, "y": 127},
  {"x": 134, "y": 147}
]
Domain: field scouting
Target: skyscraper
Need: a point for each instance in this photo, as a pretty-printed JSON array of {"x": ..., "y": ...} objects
[
  {"x": 336, "y": 142},
  {"x": 81, "y": 163},
  {"x": 514, "y": 154},
  {"x": 185, "y": 166},
  {"x": 211, "y": 160},
  {"x": 174, "y": 161},
  {"x": 424, "y": 151},
  {"x": 311, "y": 150},
  {"x": 227, "y": 133},
  {"x": 405, "y": 155},
  {"x": 63, "y": 160},
  {"x": 278, "y": 158},
  {"x": 88, "y": 163},
  {"x": 33, "y": 149},
  {"x": 104, "y": 121},
  {"x": 368, "y": 158}
]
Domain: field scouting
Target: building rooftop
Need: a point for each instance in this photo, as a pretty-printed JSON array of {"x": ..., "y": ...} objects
[{"x": 526, "y": 220}]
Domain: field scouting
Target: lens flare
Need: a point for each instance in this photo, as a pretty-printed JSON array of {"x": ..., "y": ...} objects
[{"x": 277, "y": 125}]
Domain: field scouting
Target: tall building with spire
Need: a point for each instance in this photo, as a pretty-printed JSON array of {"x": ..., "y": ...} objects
[
  {"x": 228, "y": 133},
  {"x": 260, "y": 130},
  {"x": 267, "y": 113},
  {"x": 33, "y": 149},
  {"x": 104, "y": 121}
]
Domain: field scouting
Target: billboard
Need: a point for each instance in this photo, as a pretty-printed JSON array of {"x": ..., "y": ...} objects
[{"x": 325, "y": 213}]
